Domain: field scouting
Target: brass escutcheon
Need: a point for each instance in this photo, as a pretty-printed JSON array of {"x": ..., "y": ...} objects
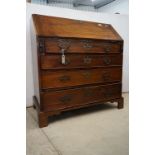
[
  {"x": 64, "y": 43},
  {"x": 107, "y": 60},
  {"x": 87, "y": 60}
]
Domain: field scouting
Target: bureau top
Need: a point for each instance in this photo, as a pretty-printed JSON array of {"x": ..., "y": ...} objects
[{"x": 47, "y": 26}]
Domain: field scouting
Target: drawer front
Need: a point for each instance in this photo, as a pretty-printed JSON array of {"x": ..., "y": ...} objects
[
  {"x": 80, "y": 61},
  {"x": 56, "y": 100},
  {"x": 66, "y": 78},
  {"x": 54, "y": 45}
]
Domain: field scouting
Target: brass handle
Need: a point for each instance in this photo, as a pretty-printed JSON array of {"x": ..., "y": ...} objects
[
  {"x": 107, "y": 49},
  {"x": 106, "y": 76},
  {"x": 64, "y": 78},
  {"x": 107, "y": 60},
  {"x": 87, "y": 74},
  {"x": 87, "y": 44},
  {"x": 66, "y": 98},
  {"x": 87, "y": 60}
]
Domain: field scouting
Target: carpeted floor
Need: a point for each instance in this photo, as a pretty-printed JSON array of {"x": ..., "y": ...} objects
[{"x": 99, "y": 130}]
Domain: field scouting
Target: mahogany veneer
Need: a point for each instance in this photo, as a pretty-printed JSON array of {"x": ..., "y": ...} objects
[{"x": 76, "y": 64}]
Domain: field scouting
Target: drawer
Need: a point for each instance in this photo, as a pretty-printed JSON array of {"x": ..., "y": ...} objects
[
  {"x": 80, "y": 61},
  {"x": 56, "y": 100},
  {"x": 55, "y": 45},
  {"x": 66, "y": 78}
]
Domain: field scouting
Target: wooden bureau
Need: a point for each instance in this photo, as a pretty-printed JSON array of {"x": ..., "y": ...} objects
[{"x": 76, "y": 64}]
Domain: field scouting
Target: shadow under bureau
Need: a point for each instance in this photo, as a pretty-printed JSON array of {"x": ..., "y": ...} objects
[{"x": 76, "y": 64}]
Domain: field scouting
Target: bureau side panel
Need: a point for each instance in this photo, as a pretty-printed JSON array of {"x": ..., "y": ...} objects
[{"x": 34, "y": 49}]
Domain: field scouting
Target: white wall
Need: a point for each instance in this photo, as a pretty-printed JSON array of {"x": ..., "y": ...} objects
[
  {"x": 119, "y": 22},
  {"x": 121, "y": 6}
]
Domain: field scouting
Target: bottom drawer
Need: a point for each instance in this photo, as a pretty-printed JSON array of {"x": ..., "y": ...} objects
[{"x": 57, "y": 100}]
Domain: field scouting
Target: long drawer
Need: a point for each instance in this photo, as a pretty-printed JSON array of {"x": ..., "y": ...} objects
[
  {"x": 54, "y": 45},
  {"x": 80, "y": 61},
  {"x": 56, "y": 100},
  {"x": 66, "y": 78}
]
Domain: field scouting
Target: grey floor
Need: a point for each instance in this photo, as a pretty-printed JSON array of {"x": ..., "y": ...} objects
[{"x": 100, "y": 130}]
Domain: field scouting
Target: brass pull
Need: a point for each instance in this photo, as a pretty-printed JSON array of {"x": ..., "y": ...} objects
[
  {"x": 87, "y": 74},
  {"x": 107, "y": 49},
  {"x": 87, "y": 44},
  {"x": 64, "y": 78},
  {"x": 107, "y": 60},
  {"x": 87, "y": 60},
  {"x": 106, "y": 76},
  {"x": 66, "y": 98}
]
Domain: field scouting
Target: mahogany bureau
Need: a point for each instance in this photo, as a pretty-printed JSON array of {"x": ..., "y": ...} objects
[{"x": 76, "y": 64}]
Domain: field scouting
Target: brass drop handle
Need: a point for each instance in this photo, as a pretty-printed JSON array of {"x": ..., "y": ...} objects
[
  {"x": 64, "y": 78},
  {"x": 107, "y": 60},
  {"x": 87, "y": 44},
  {"x": 66, "y": 98},
  {"x": 87, "y": 74},
  {"x": 87, "y": 60},
  {"x": 107, "y": 49}
]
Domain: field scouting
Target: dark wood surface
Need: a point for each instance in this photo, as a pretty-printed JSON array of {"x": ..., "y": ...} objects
[
  {"x": 91, "y": 74},
  {"x": 48, "y": 26}
]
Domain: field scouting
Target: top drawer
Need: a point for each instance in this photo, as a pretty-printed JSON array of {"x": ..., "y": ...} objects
[{"x": 56, "y": 45}]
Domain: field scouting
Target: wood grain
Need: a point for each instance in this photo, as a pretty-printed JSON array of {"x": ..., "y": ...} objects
[
  {"x": 52, "y": 45},
  {"x": 62, "y": 27},
  {"x": 80, "y": 61},
  {"x": 57, "y": 100},
  {"x": 91, "y": 74},
  {"x": 66, "y": 78}
]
